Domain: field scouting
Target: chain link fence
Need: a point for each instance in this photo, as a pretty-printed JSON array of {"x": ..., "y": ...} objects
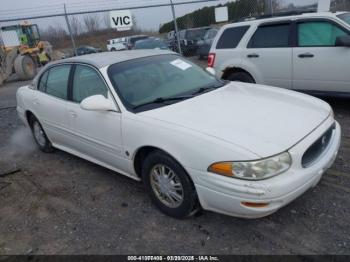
[{"x": 88, "y": 23}]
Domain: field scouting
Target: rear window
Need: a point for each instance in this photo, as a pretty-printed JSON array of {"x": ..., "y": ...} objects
[
  {"x": 271, "y": 36},
  {"x": 231, "y": 37}
]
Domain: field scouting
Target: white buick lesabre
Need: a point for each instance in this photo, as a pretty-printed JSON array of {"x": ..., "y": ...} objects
[{"x": 195, "y": 141}]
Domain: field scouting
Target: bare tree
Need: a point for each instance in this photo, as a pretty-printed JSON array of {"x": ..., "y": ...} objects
[
  {"x": 75, "y": 25},
  {"x": 106, "y": 20},
  {"x": 55, "y": 35},
  {"x": 91, "y": 23}
]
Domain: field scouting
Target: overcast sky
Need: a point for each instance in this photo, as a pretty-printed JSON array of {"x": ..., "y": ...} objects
[{"x": 149, "y": 18}]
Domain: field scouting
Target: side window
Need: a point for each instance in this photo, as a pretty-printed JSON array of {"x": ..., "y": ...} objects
[
  {"x": 271, "y": 36},
  {"x": 231, "y": 37},
  {"x": 87, "y": 82},
  {"x": 318, "y": 33},
  {"x": 57, "y": 81},
  {"x": 42, "y": 82}
]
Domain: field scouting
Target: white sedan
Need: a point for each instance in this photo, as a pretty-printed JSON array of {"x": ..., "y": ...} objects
[{"x": 195, "y": 141}]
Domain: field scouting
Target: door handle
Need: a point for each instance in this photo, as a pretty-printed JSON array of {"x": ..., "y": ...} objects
[
  {"x": 306, "y": 55},
  {"x": 253, "y": 55}
]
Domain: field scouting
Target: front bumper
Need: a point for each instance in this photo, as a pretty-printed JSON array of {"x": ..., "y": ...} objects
[{"x": 225, "y": 195}]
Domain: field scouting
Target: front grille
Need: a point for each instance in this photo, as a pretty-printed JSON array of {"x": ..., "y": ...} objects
[{"x": 317, "y": 148}]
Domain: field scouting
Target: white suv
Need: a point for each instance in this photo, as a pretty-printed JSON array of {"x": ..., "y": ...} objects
[
  {"x": 117, "y": 44},
  {"x": 307, "y": 52}
]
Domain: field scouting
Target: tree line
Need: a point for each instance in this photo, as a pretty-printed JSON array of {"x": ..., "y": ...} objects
[{"x": 206, "y": 16}]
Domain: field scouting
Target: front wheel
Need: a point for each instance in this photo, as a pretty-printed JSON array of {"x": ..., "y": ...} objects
[
  {"x": 168, "y": 185},
  {"x": 40, "y": 137}
]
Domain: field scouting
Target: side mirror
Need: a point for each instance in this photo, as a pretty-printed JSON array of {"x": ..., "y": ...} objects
[
  {"x": 343, "y": 41},
  {"x": 211, "y": 70},
  {"x": 97, "y": 103}
]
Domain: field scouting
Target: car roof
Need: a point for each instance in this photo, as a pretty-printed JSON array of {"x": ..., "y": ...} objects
[
  {"x": 103, "y": 59},
  {"x": 283, "y": 18}
]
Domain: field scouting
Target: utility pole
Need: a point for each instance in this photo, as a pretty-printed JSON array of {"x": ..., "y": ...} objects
[
  {"x": 176, "y": 28},
  {"x": 70, "y": 30}
]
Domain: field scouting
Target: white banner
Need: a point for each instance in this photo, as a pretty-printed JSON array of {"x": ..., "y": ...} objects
[{"x": 221, "y": 14}]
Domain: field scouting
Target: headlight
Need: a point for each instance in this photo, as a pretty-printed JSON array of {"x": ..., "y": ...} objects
[{"x": 253, "y": 170}]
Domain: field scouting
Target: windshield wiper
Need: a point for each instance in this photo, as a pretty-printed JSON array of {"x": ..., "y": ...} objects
[
  {"x": 206, "y": 89},
  {"x": 162, "y": 100}
]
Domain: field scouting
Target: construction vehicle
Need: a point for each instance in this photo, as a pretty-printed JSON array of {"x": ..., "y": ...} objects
[{"x": 19, "y": 49}]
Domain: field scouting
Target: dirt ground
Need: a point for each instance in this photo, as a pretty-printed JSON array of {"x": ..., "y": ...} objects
[{"x": 60, "y": 204}]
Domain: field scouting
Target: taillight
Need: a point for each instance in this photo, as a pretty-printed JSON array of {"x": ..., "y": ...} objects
[{"x": 211, "y": 60}]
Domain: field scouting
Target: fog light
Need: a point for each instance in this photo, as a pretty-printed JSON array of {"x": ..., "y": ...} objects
[{"x": 254, "y": 205}]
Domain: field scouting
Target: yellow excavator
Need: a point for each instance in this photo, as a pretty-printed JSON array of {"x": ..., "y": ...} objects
[{"x": 19, "y": 49}]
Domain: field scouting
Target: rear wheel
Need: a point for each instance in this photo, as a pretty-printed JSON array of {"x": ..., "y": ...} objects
[
  {"x": 241, "y": 77},
  {"x": 39, "y": 136},
  {"x": 113, "y": 49},
  {"x": 168, "y": 185},
  {"x": 25, "y": 67}
]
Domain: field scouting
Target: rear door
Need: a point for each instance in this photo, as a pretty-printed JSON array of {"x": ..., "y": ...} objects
[
  {"x": 50, "y": 104},
  {"x": 269, "y": 54},
  {"x": 318, "y": 64}
]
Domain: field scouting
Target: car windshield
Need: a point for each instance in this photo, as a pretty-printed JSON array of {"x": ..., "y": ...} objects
[
  {"x": 345, "y": 17},
  {"x": 140, "y": 81},
  {"x": 150, "y": 44},
  {"x": 196, "y": 33}
]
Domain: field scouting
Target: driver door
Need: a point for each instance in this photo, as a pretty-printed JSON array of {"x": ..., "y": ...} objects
[
  {"x": 318, "y": 64},
  {"x": 97, "y": 133}
]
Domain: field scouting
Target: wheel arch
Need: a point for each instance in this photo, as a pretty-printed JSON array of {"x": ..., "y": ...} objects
[
  {"x": 231, "y": 70},
  {"x": 142, "y": 152},
  {"x": 29, "y": 114}
]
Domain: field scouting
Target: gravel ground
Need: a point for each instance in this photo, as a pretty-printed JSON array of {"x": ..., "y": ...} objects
[{"x": 60, "y": 204}]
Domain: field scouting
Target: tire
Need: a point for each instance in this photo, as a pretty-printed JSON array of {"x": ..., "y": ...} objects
[
  {"x": 39, "y": 135},
  {"x": 155, "y": 163},
  {"x": 25, "y": 67},
  {"x": 113, "y": 49},
  {"x": 241, "y": 77}
]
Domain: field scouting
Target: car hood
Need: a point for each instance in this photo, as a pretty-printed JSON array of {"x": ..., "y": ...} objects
[{"x": 264, "y": 120}]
